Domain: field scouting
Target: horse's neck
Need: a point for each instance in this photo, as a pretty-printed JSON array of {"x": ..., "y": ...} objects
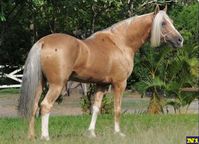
[
  {"x": 129, "y": 35},
  {"x": 138, "y": 31}
]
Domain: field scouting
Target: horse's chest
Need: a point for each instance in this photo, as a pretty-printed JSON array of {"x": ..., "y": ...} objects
[{"x": 123, "y": 67}]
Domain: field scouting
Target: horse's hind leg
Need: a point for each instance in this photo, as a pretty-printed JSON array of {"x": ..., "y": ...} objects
[
  {"x": 46, "y": 105},
  {"x": 31, "y": 133}
]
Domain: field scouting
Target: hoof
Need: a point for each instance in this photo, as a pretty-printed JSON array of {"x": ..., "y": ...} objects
[
  {"x": 91, "y": 134},
  {"x": 120, "y": 134},
  {"x": 45, "y": 138}
]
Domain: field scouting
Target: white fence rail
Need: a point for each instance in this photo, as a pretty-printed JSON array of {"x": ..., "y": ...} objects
[
  {"x": 12, "y": 75},
  {"x": 15, "y": 76}
]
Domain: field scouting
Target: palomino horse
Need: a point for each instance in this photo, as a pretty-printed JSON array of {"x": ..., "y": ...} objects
[{"x": 104, "y": 58}]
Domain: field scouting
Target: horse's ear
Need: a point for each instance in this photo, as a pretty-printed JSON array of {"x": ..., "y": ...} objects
[
  {"x": 157, "y": 8},
  {"x": 165, "y": 9}
]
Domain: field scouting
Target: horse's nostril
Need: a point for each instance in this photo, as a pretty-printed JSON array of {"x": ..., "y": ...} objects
[{"x": 180, "y": 39}]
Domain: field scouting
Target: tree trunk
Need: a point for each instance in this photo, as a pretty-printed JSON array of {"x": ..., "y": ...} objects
[{"x": 155, "y": 105}]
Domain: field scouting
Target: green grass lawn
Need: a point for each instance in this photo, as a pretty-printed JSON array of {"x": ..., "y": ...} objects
[
  {"x": 9, "y": 91},
  {"x": 139, "y": 129}
]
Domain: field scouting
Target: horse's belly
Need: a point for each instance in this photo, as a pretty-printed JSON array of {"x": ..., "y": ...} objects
[{"x": 90, "y": 77}]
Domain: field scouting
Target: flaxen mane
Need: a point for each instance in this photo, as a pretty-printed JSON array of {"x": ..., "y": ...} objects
[{"x": 156, "y": 28}]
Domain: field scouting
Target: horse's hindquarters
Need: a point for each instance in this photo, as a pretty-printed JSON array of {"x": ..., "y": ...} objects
[{"x": 58, "y": 56}]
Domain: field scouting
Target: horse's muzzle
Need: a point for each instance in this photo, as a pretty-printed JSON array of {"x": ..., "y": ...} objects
[{"x": 177, "y": 42}]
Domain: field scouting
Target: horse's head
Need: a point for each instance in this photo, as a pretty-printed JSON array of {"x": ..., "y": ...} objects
[{"x": 163, "y": 30}]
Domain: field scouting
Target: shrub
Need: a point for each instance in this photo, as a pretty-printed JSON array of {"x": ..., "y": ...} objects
[{"x": 88, "y": 100}]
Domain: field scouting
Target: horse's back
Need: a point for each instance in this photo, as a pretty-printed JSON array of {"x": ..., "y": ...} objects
[{"x": 58, "y": 40}]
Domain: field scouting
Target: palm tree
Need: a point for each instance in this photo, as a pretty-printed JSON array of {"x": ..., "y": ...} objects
[{"x": 164, "y": 73}]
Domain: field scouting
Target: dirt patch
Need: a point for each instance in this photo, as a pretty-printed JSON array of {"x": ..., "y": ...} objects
[
  {"x": 69, "y": 106},
  {"x": 133, "y": 103}
]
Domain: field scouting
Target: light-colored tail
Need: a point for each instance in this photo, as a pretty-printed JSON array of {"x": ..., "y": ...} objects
[{"x": 32, "y": 76}]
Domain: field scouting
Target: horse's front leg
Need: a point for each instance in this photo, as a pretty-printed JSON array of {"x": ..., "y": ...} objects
[
  {"x": 118, "y": 91},
  {"x": 96, "y": 107}
]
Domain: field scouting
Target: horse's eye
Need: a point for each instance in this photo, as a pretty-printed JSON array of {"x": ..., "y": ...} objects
[{"x": 163, "y": 23}]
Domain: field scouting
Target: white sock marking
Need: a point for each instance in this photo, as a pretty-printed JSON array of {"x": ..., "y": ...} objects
[
  {"x": 44, "y": 127},
  {"x": 117, "y": 127},
  {"x": 94, "y": 118}
]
